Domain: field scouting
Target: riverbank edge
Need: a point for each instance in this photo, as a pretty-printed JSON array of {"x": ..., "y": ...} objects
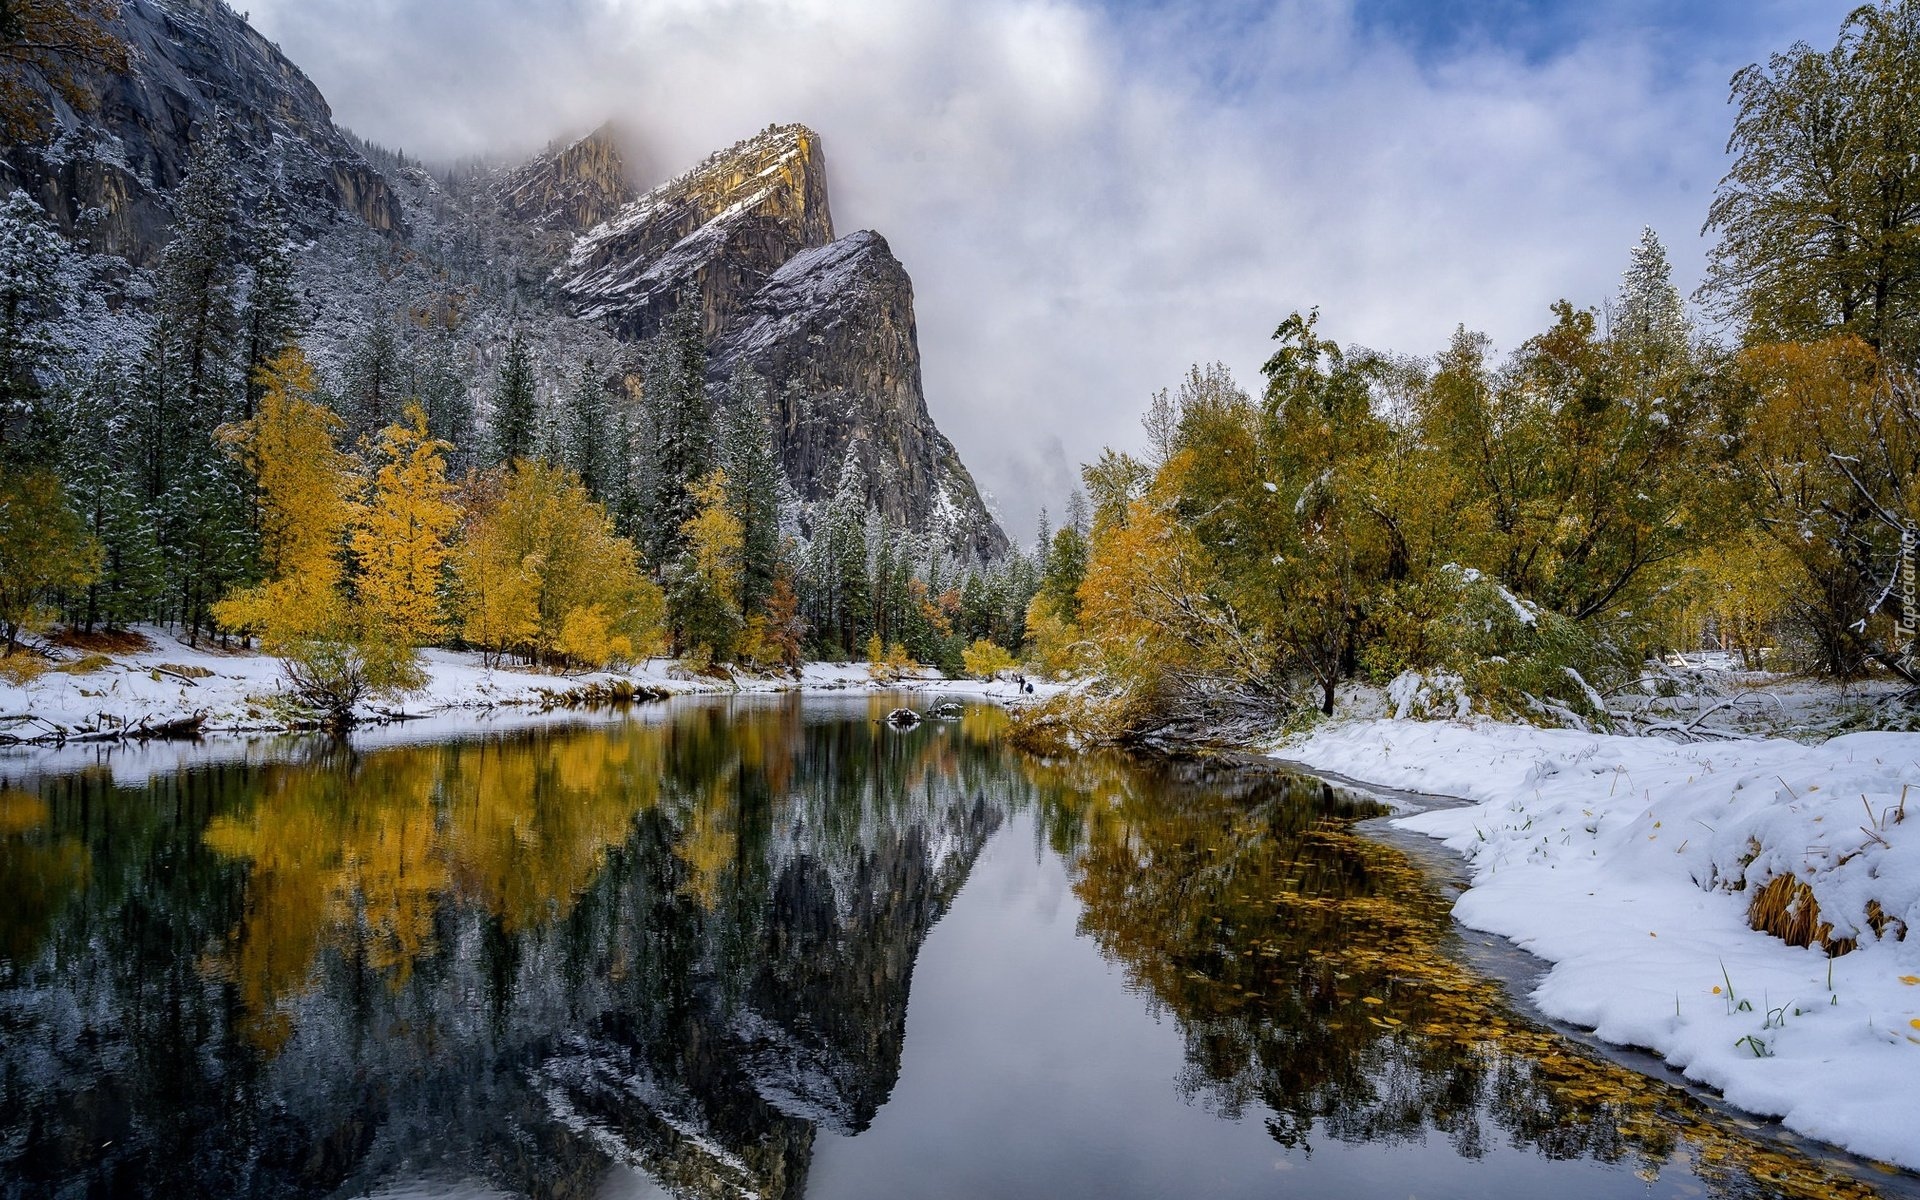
[
  {"x": 1526, "y": 969},
  {"x": 167, "y": 690}
]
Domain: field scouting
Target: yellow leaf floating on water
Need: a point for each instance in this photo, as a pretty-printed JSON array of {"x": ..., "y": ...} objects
[
  {"x": 1915, "y": 1022},
  {"x": 1910, "y": 980},
  {"x": 1371, "y": 1000}
]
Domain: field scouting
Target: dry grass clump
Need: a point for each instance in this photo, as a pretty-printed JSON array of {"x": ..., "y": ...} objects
[
  {"x": 1786, "y": 908},
  {"x": 23, "y": 667},
  {"x": 86, "y": 664}
]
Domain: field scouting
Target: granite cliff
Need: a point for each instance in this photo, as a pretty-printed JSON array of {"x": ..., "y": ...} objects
[
  {"x": 748, "y": 235},
  {"x": 106, "y": 174}
]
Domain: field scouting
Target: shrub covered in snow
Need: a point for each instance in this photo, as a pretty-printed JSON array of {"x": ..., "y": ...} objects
[{"x": 1467, "y": 644}]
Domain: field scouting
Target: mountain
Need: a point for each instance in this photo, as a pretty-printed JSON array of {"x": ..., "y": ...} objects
[
  {"x": 574, "y": 187},
  {"x": 748, "y": 235},
  {"x": 719, "y": 230},
  {"x": 563, "y": 248},
  {"x": 106, "y": 177}
]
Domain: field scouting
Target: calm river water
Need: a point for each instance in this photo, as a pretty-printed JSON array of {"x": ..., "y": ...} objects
[{"x": 772, "y": 949}]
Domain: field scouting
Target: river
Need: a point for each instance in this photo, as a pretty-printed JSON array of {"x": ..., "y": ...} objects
[{"x": 775, "y": 948}]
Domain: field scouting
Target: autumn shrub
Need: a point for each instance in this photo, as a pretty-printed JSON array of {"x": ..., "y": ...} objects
[
  {"x": 22, "y": 667},
  {"x": 889, "y": 661},
  {"x": 985, "y": 659},
  {"x": 1472, "y": 645}
]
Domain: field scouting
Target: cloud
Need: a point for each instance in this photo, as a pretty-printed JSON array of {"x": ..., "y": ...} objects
[{"x": 1089, "y": 199}]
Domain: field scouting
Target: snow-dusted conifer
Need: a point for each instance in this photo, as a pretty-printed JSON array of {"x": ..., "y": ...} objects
[
  {"x": 1651, "y": 320},
  {"x": 683, "y": 450},
  {"x": 753, "y": 486},
  {"x": 273, "y": 317},
  {"x": 31, "y": 300},
  {"x": 372, "y": 386},
  {"x": 516, "y": 416}
]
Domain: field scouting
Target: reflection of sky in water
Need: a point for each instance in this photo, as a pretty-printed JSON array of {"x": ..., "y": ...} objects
[{"x": 671, "y": 956}]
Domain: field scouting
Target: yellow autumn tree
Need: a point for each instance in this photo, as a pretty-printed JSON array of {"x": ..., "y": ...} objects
[
  {"x": 705, "y": 583},
  {"x": 715, "y": 536},
  {"x": 305, "y": 488},
  {"x": 334, "y": 656},
  {"x": 1830, "y": 455},
  {"x": 400, "y": 540},
  {"x": 44, "y": 547},
  {"x": 542, "y": 574}
]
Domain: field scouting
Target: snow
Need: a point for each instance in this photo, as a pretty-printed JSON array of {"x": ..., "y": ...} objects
[
  {"x": 240, "y": 691},
  {"x": 1616, "y": 859}
]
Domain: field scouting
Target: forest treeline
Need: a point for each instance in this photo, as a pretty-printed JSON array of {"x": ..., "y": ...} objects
[
  {"x": 214, "y": 480},
  {"x": 1520, "y": 535}
]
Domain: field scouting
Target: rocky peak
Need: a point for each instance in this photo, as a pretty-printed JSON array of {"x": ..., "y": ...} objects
[
  {"x": 106, "y": 176},
  {"x": 717, "y": 231},
  {"x": 572, "y": 187},
  {"x": 833, "y": 330}
]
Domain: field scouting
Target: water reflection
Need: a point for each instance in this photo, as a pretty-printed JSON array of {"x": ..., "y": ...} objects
[{"x": 683, "y": 945}]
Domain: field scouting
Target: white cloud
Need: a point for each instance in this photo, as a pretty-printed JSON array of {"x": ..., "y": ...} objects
[{"x": 1088, "y": 202}]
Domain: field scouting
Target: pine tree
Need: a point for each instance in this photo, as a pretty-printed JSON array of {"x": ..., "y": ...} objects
[
  {"x": 435, "y": 380},
  {"x": 273, "y": 303},
  {"x": 516, "y": 416},
  {"x": 1650, "y": 321},
  {"x": 683, "y": 450},
  {"x": 753, "y": 487},
  {"x": 32, "y": 298},
  {"x": 589, "y": 436},
  {"x": 195, "y": 297},
  {"x": 371, "y": 385},
  {"x": 839, "y": 583},
  {"x": 105, "y": 490},
  {"x": 189, "y": 387}
]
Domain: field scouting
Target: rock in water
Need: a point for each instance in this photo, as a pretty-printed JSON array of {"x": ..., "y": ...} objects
[{"x": 903, "y": 718}]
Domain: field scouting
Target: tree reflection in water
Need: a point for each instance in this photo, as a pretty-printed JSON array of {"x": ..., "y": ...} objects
[{"x": 684, "y": 943}]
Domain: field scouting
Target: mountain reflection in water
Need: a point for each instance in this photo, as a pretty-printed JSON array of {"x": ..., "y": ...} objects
[{"x": 679, "y": 947}]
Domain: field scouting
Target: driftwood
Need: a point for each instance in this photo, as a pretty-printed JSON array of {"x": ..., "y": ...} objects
[{"x": 179, "y": 728}]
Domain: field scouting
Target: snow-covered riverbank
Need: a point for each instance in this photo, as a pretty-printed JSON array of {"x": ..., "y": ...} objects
[
  {"x": 1629, "y": 865},
  {"x": 167, "y": 681}
]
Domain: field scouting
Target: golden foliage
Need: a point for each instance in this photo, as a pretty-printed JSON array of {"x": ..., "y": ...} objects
[
  {"x": 400, "y": 540},
  {"x": 985, "y": 659},
  {"x": 44, "y": 548},
  {"x": 365, "y": 853},
  {"x": 715, "y": 537},
  {"x": 305, "y": 488},
  {"x": 538, "y": 552}
]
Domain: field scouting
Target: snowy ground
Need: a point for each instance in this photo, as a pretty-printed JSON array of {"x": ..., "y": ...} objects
[
  {"x": 1628, "y": 863},
  {"x": 243, "y": 690}
]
